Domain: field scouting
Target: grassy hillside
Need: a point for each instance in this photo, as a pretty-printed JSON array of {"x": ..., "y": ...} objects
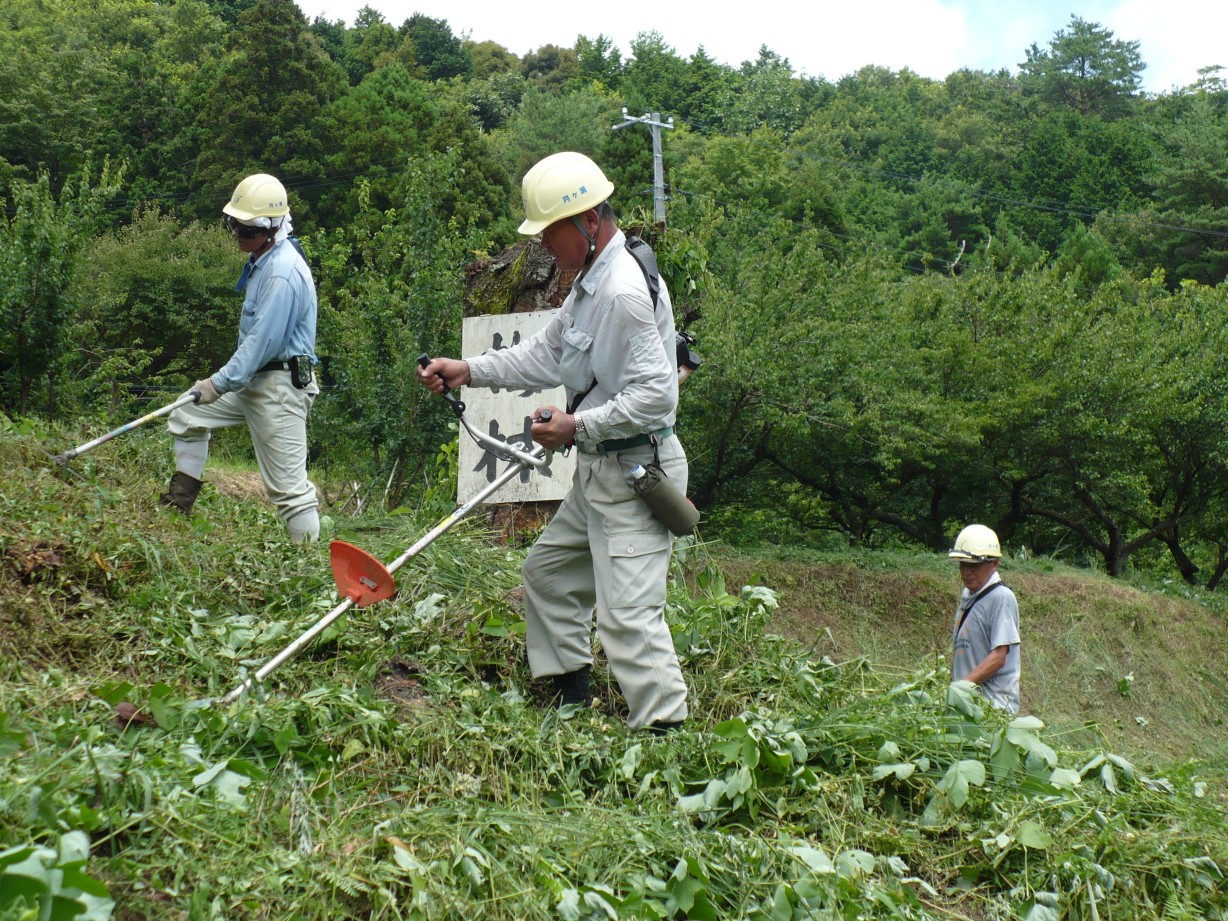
[
  {"x": 407, "y": 767},
  {"x": 1104, "y": 662}
]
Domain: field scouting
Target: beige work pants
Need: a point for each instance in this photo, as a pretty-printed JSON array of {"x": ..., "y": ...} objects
[
  {"x": 604, "y": 549},
  {"x": 276, "y": 416}
]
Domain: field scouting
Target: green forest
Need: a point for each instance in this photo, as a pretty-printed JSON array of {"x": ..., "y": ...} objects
[{"x": 996, "y": 297}]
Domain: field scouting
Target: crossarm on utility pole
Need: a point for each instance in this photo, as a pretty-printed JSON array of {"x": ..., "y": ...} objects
[{"x": 653, "y": 120}]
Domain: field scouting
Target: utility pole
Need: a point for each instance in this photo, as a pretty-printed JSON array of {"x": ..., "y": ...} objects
[{"x": 653, "y": 120}]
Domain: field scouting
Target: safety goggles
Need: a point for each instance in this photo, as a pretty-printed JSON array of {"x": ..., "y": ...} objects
[{"x": 245, "y": 231}]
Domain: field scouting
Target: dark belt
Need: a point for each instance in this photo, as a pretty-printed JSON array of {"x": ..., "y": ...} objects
[
  {"x": 274, "y": 366},
  {"x": 611, "y": 445}
]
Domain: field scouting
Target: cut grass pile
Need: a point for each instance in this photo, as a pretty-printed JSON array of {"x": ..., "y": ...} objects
[{"x": 408, "y": 767}]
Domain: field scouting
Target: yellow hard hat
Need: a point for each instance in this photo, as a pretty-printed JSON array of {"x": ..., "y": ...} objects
[
  {"x": 259, "y": 195},
  {"x": 976, "y": 544},
  {"x": 562, "y": 185}
]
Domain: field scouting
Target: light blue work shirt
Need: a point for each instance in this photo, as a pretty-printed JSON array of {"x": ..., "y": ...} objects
[{"x": 279, "y": 317}]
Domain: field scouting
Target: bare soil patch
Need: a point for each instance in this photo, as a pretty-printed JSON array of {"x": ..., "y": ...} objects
[
  {"x": 399, "y": 681},
  {"x": 240, "y": 485}
]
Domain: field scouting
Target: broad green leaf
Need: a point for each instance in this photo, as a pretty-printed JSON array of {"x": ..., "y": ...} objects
[
  {"x": 569, "y": 905},
  {"x": 1004, "y": 758},
  {"x": 814, "y": 858},
  {"x": 206, "y": 776},
  {"x": 404, "y": 857},
  {"x": 696, "y": 802},
  {"x": 113, "y": 692},
  {"x": 333, "y": 631},
  {"x": 163, "y": 706},
  {"x": 596, "y": 899},
  {"x": 854, "y": 863},
  {"x": 1031, "y": 835},
  {"x": 74, "y": 847},
  {"x": 965, "y": 698},
  {"x": 229, "y": 786},
  {"x": 889, "y": 751},
  {"x": 630, "y": 762},
  {"x": 31, "y": 874},
  {"x": 1204, "y": 863},
  {"x": 1091, "y": 765},
  {"x": 782, "y": 906},
  {"x": 742, "y": 780},
  {"x": 959, "y": 777},
  {"x": 1064, "y": 778},
  {"x": 1108, "y": 777},
  {"x": 901, "y": 771},
  {"x": 1126, "y": 768},
  {"x": 1040, "y": 758},
  {"x": 1041, "y": 912}
]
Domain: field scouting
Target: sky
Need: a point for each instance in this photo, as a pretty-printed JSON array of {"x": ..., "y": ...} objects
[{"x": 932, "y": 38}]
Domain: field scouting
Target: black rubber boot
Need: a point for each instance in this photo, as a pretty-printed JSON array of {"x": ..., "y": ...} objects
[
  {"x": 573, "y": 687},
  {"x": 182, "y": 492},
  {"x": 664, "y": 727}
]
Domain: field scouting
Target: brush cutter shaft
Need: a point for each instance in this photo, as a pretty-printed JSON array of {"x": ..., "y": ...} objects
[
  {"x": 316, "y": 629},
  {"x": 135, "y": 423},
  {"x": 495, "y": 446},
  {"x": 462, "y": 510},
  {"x": 288, "y": 653}
]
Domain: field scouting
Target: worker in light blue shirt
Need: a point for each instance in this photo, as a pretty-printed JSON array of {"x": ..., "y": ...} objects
[
  {"x": 269, "y": 381},
  {"x": 279, "y": 316}
]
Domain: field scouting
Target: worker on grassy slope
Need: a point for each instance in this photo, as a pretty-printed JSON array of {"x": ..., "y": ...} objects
[
  {"x": 269, "y": 381},
  {"x": 614, "y": 352},
  {"x": 986, "y": 634}
]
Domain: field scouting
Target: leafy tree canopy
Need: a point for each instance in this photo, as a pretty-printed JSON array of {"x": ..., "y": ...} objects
[{"x": 1085, "y": 68}]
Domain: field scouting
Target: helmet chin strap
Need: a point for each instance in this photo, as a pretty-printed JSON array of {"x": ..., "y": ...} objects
[{"x": 592, "y": 240}]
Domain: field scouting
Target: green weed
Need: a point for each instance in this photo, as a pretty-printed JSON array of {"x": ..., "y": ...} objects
[{"x": 408, "y": 766}]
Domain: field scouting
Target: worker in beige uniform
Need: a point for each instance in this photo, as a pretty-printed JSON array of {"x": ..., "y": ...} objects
[{"x": 614, "y": 352}]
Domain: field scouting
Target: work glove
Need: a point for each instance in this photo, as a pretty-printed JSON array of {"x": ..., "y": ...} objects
[{"x": 208, "y": 392}]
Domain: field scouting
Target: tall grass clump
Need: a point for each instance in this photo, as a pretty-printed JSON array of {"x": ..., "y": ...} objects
[{"x": 408, "y": 767}]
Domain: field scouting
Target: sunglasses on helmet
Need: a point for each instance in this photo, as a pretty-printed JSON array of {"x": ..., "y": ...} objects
[{"x": 245, "y": 231}]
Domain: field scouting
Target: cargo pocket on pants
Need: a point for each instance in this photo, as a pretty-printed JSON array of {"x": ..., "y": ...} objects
[{"x": 640, "y": 564}]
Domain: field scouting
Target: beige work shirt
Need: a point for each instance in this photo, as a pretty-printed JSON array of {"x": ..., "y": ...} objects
[{"x": 607, "y": 329}]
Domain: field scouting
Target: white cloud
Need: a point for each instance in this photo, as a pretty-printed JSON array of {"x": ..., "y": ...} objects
[
  {"x": 930, "y": 37},
  {"x": 1175, "y": 39}
]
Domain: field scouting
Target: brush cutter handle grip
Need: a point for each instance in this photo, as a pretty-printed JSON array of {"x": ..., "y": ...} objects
[
  {"x": 539, "y": 458},
  {"x": 458, "y": 407}
]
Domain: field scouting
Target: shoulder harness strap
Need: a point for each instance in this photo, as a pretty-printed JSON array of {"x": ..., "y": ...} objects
[
  {"x": 972, "y": 603},
  {"x": 647, "y": 260}
]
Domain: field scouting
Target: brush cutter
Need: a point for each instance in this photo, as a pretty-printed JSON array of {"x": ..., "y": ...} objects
[
  {"x": 363, "y": 580},
  {"x": 190, "y": 397}
]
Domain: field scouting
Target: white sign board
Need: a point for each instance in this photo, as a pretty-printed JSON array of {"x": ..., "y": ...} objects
[{"x": 506, "y": 415}]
